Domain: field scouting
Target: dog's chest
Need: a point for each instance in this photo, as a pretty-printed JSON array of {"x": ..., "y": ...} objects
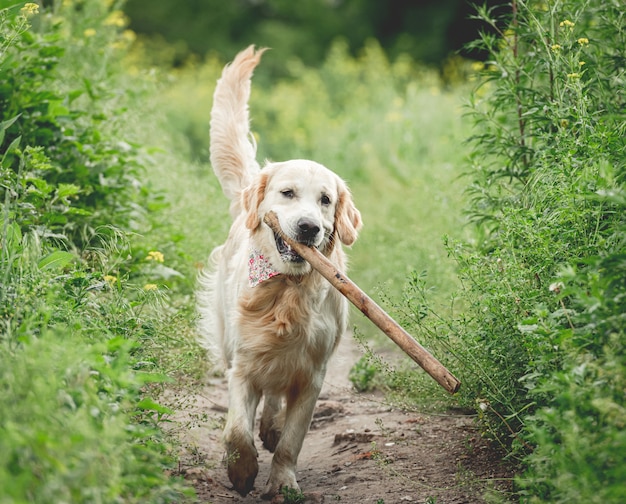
[{"x": 288, "y": 329}]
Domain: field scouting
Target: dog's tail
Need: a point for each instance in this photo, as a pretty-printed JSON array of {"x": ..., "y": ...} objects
[{"x": 233, "y": 149}]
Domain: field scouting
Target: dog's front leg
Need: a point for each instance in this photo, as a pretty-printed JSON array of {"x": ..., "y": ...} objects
[
  {"x": 238, "y": 434},
  {"x": 299, "y": 411}
]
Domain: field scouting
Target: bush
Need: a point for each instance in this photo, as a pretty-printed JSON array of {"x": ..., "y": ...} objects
[
  {"x": 537, "y": 329},
  {"x": 65, "y": 430},
  {"x": 45, "y": 105},
  {"x": 76, "y": 421},
  {"x": 579, "y": 435}
]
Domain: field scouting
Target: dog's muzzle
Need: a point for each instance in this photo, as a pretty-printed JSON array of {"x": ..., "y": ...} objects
[{"x": 307, "y": 233}]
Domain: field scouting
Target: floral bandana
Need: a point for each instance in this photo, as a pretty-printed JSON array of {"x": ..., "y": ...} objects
[{"x": 259, "y": 269}]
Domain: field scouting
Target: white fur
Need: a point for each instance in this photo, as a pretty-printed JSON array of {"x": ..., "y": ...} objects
[{"x": 275, "y": 339}]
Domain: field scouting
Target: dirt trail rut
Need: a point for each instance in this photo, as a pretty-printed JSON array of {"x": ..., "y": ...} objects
[{"x": 358, "y": 450}]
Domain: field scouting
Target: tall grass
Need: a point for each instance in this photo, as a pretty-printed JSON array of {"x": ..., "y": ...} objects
[
  {"x": 388, "y": 128},
  {"x": 108, "y": 206},
  {"x": 538, "y": 340},
  {"x": 77, "y": 422}
]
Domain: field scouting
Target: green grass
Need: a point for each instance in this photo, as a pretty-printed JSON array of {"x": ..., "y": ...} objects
[
  {"x": 398, "y": 141},
  {"x": 402, "y": 155},
  {"x": 78, "y": 329},
  {"x": 109, "y": 207}
]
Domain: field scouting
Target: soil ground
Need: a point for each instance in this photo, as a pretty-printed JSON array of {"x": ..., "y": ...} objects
[{"x": 358, "y": 450}]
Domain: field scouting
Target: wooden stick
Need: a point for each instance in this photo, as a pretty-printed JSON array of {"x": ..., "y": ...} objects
[{"x": 370, "y": 309}]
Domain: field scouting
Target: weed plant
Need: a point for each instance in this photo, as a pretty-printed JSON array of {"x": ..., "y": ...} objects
[
  {"x": 46, "y": 102},
  {"x": 77, "y": 423},
  {"x": 538, "y": 337}
]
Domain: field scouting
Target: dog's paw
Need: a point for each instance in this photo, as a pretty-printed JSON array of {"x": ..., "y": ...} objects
[
  {"x": 276, "y": 482},
  {"x": 270, "y": 438},
  {"x": 242, "y": 468}
]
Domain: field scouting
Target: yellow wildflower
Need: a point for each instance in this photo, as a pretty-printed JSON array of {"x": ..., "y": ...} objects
[
  {"x": 573, "y": 76},
  {"x": 581, "y": 63},
  {"x": 89, "y": 32},
  {"x": 110, "y": 279},
  {"x": 129, "y": 35},
  {"x": 116, "y": 18},
  {"x": 567, "y": 24},
  {"x": 155, "y": 255},
  {"x": 30, "y": 9},
  {"x": 509, "y": 33},
  {"x": 555, "y": 48},
  {"x": 583, "y": 41},
  {"x": 150, "y": 287}
]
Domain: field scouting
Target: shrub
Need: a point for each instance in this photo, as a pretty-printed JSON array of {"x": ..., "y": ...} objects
[
  {"x": 65, "y": 435},
  {"x": 579, "y": 434},
  {"x": 76, "y": 423},
  {"x": 45, "y": 106},
  {"x": 537, "y": 329}
]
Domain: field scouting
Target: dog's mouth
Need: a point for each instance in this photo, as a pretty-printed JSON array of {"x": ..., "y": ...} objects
[{"x": 287, "y": 253}]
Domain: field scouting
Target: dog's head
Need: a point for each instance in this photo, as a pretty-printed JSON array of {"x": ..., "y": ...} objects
[{"x": 313, "y": 206}]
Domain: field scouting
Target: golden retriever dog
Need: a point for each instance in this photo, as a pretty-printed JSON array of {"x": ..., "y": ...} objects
[{"x": 273, "y": 319}]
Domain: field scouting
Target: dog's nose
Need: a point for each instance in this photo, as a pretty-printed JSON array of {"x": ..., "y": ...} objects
[{"x": 307, "y": 230}]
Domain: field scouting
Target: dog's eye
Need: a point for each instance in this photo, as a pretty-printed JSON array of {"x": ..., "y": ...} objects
[
  {"x": 288, "y": 193},
  {"x": 325, "y": 200}
]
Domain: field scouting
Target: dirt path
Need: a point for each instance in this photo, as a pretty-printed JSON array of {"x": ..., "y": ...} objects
[{"x": 359, "y": 450}]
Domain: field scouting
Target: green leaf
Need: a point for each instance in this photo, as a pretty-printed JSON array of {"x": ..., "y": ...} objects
[
  {"x": 78, "y": 211},
  {"x": 40, "y": 186},
  {"x": 14, "y": 144},
  {"x": 56, "y": 108},
  {"x": 56, "y": 260},
  {"x": 65, "y": 190},
  {"x": 75, "y": 94},
  {"x": 12, "y": 240},
  {"x": 148, "y": 404},
  {"x": 4, "y": 125}
]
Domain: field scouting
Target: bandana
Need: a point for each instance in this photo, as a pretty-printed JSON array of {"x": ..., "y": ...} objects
[{"x": 259, "y": 269}]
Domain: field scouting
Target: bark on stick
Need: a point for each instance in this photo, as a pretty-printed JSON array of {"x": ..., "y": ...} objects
[{"x": 370, "y": 309}]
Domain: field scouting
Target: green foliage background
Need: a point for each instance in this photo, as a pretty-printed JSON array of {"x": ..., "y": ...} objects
[
  {"x": 493, "y": 202},
  {"x": 427, "y": 30}
]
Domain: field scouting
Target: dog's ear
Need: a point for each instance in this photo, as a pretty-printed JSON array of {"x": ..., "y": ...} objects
[
  {"x": 252, "y": 196},
  {"x": 347, "y": 218}
]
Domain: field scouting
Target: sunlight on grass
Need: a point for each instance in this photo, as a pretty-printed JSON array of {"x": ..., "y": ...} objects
[
  {"x": 397, "y": 138},
  {"x": 399, "y": 144}
]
